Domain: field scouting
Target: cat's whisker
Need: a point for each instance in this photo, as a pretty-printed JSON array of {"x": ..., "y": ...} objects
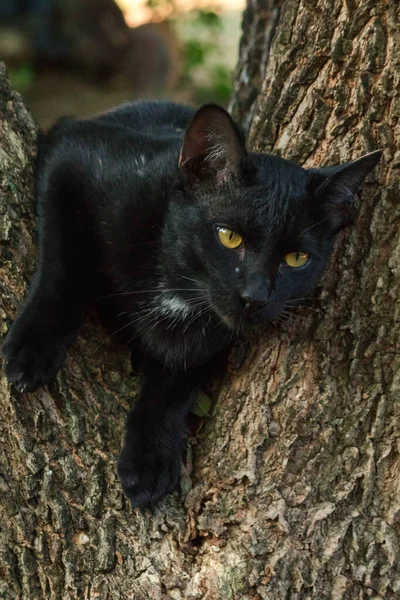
[
  {"x": 156, "y": 290},
  {"x": 197, "y": 316},
  {"x": 300, "y": 300},
  {"x": 319, "y": 223},
  {"x": 198, "y": 304},
  {"x": 195, "y": 298},
  {"x": 148, "y": 313},
  {"x": 190, "y": 279},
  {"x": 204, "y": 308},
  {"x": 201, "y": 313},
  {"x": 145, "y": 244},
  {"x": 241, "y": 325},
  {"x": 112, "y": 335},
  {"x": 165, "y": 317},
  {"x": 207, "y": 324},
  {"x": 304, "y": 307},
  {"x": 280, "y": 317}
]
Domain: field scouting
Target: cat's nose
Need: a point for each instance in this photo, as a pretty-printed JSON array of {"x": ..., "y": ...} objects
[
  {"x": 251, "y": 303},
  {"x": 255, "y": 292}
]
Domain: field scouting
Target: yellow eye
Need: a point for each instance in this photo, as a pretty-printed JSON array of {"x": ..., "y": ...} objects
[
  {"x": 296, "y": 259},
  {"x": 228, "y": 238}
]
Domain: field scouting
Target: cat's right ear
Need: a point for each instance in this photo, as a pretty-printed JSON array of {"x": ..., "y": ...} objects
[{"x": 212, "y": 146}]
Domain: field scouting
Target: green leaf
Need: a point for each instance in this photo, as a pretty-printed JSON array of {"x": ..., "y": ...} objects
[{"x": 202, "y": 406}]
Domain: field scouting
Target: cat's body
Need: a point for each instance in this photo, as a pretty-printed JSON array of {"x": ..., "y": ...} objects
[{"x": 184, "y": 238}]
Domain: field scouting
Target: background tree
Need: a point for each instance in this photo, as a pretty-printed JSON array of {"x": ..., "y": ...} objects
[{"x": 291, "y": 489}]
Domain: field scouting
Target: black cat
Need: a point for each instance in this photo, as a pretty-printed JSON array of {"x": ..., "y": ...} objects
[{"x": 189, "y": 238}]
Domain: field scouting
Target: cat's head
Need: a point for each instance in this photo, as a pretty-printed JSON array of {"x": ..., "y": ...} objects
[{"x": 253, "y": 232}]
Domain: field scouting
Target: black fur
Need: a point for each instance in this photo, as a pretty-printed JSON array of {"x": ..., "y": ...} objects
[{"x": 128, "y": 209}]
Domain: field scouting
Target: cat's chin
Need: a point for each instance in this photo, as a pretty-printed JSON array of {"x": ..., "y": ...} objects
[
  {"x": 240, "y": 323},
  {"x": 245, "y": 323},
  {"x": 230, "y": 322}
]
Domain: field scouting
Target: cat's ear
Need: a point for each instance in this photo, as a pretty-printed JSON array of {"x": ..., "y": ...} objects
[
  {"x": 336, "y": 186},
  {"x": 212, "y": 146}
]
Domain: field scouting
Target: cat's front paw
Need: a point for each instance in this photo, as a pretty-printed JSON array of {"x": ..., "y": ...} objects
[
  {"x": 32, "y": 355},
  {"x": 147, "y": 474}
]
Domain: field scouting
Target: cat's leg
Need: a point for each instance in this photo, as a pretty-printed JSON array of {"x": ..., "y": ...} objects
[
  {"x": 150, "y": 461},
  {"x": 38, "y": 340}
]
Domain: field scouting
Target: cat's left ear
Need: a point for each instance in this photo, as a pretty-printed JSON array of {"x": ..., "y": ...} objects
[
  {"x": 212, "y": 146},
  {"x": 336, "y": 187}
]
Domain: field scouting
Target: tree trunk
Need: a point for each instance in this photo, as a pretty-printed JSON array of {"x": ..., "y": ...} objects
[{"x": 291, "y": 489}]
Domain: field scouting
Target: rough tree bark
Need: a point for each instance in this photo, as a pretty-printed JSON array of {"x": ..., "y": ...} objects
[{"x": 291, "y": 489}]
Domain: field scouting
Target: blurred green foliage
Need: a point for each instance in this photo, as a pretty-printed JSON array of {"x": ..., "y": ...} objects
[
  {"x": 220, "y": 88},
  {"x": 207, "y": 77},
  {"x": 154, "y": 4},
  {"x": 21, "y": 78},
  {"x": 210, "y": 19},
  {"x": 205, "y": 74}
]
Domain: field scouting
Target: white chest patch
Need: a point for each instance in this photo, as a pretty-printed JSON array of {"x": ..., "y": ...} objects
[{"x": 175, "y": 307}]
